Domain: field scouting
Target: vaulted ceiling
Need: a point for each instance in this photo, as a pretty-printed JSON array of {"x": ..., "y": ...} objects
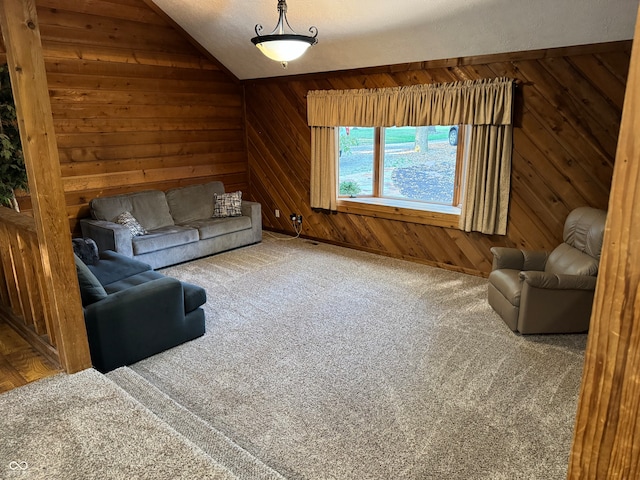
[{"x": 366, "y": 33}]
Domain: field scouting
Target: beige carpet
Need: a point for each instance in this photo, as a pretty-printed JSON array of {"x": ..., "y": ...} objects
[
  {"x": 328, "y": 363},
  {"x": 82, "y": 426}
]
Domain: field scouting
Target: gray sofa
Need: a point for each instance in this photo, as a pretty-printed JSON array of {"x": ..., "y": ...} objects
[
  {"x": 179, "y": 224},
  {"x": 132, "y": 312}
]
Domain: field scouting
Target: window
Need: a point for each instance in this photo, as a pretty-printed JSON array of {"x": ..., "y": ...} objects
[
  {"x": 408, "y": 167},
  {"x": 482, "y": 111}
]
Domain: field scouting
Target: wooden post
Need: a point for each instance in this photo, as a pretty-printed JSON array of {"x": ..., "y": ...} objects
[
  {"x": 608, "y": 419},
  {"x": 29, "y": 81}
]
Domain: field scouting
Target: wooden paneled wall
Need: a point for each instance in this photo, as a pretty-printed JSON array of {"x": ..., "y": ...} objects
[
  {"x": 567, "y": 118},
  {"x": 135, "y": 105}
]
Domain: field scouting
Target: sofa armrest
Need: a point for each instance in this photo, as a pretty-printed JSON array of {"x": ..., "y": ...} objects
[
  {"x": 253, "y": 210},
  {"x": 108, "y": 235},
  {"x": 558, "y": 281},
  {"x": 134, "y": 323}
]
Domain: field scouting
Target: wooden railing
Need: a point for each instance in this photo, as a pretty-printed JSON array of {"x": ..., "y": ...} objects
[
  {"x": 25, "y": 304},
  {"x": 40, "y": 295}
]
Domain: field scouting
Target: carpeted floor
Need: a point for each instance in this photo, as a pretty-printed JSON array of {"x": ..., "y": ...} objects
[
  {"x": 83, "y": 426},
  {"x": 328, "y": 363}
]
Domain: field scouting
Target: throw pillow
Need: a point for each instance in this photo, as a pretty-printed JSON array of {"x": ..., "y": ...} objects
[
  {"x": 86, "y": 249},
  {"x": 227, "y": 204},
  {"x": 129, "y": 221}
]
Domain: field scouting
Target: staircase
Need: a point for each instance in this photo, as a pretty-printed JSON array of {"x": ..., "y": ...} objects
[{"x": 222, "y": 450}]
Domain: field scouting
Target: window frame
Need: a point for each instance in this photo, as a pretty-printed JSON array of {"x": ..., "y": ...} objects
[{"x": 392, "y": 208}]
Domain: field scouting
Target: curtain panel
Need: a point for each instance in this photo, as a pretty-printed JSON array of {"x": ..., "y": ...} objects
[
  {"x": 486, "y": 105},
  {"x": 488, "y": 180},
  {"x": 324, "y": 171},
  {"x": 474, "y": 102}
]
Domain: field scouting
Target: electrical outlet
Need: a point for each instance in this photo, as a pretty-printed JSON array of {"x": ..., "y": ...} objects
[
  {"x": 277, "y": 213},
  {"x": 294, "y": 217},
  {"x": 299, "y": 219}
]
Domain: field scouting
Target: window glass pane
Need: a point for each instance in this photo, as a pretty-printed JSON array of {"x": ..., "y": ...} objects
[
  {"x": 420, "y": 163},
  {"x": 356, "y": 161}
]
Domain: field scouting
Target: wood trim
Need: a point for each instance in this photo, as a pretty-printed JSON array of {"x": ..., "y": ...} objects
[
  {"x": 375, "y": 251},
  {"x": 378, "y": 161},
  {"x": 607, "y": 428},
  {"x": 398, "y": 210}
]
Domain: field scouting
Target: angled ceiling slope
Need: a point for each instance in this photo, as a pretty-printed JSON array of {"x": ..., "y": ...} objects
[{"x": 368, "y": 33}]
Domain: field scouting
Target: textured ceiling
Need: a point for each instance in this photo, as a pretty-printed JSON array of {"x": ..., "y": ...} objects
[{"x": 366, "y": 33}]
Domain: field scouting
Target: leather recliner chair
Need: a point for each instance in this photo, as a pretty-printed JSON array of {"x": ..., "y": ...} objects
[{"x": 541, "y": 292}]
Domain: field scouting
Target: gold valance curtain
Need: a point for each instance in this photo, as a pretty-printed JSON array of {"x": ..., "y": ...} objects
[
  {"x": 486, "y": 105},
  {"x": 474, "y": 102}
]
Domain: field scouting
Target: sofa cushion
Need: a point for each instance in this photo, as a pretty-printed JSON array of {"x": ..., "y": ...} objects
[
  {"x": 132, "y": 281},
  {"x": 165, "y": 237},
  {"x": 114, "y": 266},
  {"x": 227, "y": 204},
  {"x": 214, "y": 227},
  {"x": 150, "y": 208},
  {"x": 194, "y": 202},
  {"x": 91, "y": 290}
]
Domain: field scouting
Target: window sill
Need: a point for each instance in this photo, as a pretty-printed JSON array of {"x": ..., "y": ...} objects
[{"x": 402, "y": 210}]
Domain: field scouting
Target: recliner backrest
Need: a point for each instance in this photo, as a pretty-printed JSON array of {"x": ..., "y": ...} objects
[
  {"x": 584, "y": 230},
  {"x": 567, "y": 260},
  {"x": 580, "y": 252}
]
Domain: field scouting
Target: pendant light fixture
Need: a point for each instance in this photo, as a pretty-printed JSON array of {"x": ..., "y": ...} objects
[{"x": 282, "y": 45}]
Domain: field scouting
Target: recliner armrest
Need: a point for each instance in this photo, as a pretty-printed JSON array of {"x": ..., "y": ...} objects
[
  {"x": 558, "y": 281},
  {"x": 505, "y": 257},
  {"x": 516, "y": 259}
]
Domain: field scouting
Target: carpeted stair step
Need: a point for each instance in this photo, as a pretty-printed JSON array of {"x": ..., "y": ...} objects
[
  {"x": 211, "y": 441},
  {"x": 85, "y": 426}
]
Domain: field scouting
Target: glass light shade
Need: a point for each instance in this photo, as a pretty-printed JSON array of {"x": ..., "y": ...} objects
[
  {"x": 283, "y": 50},
  {"x": 283, "y": 45}
]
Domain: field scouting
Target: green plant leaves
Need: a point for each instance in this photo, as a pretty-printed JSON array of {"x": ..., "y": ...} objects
[{"x": 13, "y": 174}]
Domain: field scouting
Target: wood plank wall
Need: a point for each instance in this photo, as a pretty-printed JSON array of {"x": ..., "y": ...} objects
[
  {"x": 135, "y": 105},
  {"x": 568, "y": 111}
]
